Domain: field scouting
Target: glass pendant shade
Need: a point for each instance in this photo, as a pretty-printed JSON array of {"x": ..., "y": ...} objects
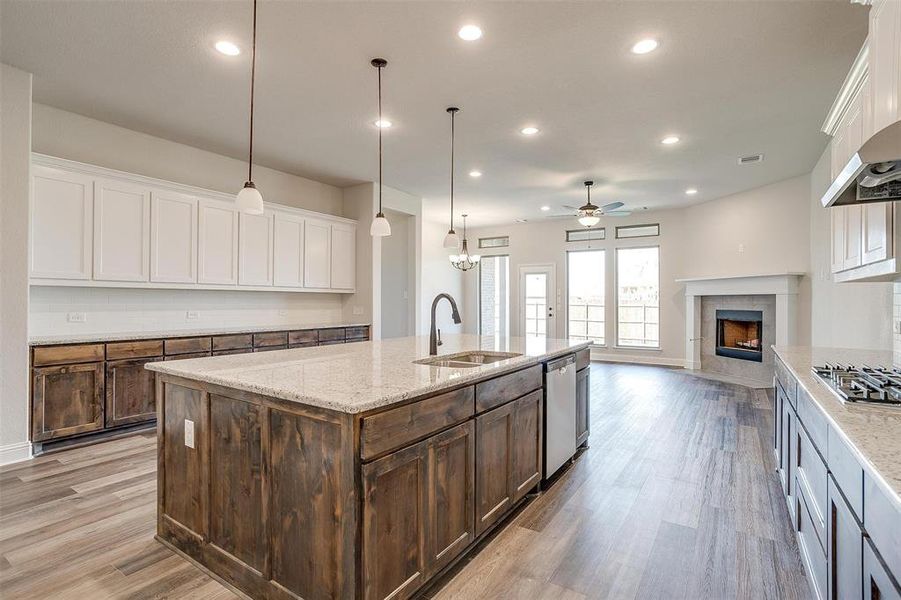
[
  {"x": 249, "y": 200},
  {"x": 589, "y": 220},
  {"x": 451, "y": 240},
  {"x": 380, "y": 226}
]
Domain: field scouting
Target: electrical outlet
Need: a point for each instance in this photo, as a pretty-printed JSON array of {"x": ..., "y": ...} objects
[
  {"x": 898, "y": 327},
  {"x": 741, "y": 248},
  {"x": 283, "y": 313},
  {"x": 191, "y": 315},
  {"x": 76, "y": 317},
  {"x": 189, "y": 433},
  {"x": 358, "y": 310}
]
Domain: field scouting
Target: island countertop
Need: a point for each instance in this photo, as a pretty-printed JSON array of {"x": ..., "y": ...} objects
[{"x": 355, "y": 378}]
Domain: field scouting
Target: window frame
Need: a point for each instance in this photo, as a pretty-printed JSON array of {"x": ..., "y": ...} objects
[
  {"x": 637, "y": 226},
  {"x": 506, "y": 243},
  {"x": 616, "y": 306},
  {"x": 601, "y": 230},
  {"x": 566, "y": 283},
  {"x": 479, "y": 308}
]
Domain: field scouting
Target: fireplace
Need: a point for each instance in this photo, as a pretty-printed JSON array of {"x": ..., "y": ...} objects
[{"x": 739, "y": 333}]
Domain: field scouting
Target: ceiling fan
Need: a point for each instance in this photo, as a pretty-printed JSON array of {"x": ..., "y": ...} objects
[{"x": 589, "y": 214}]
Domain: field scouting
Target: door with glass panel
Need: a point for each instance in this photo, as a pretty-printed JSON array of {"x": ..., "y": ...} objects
[{"x": 537, "y": 301}]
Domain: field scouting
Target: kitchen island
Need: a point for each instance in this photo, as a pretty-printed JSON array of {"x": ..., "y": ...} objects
[{"x": 349, "y": 471}]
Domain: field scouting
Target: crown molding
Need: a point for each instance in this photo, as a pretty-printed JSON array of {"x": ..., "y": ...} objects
[{"x": 852, "y": 84}]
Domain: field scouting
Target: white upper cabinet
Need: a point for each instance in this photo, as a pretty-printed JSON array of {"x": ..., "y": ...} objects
[
  {"x": 288, "y": 250},
  {"x": 838, "y": 215},
  {"x": 877, "y": 232},
  {"x": 255, "y": 238},
  {"x": 121, "y": 231},
  {"x": 173, "y": 237},
  {"x": 343, "y": 256},
  {"x": 217, "y": 243},
  {"x": 852, "y": 253},
  {"x": 62, "y": 222},
  {"x": 317, "y": 254},
  {"x": 885, "y": 62}
]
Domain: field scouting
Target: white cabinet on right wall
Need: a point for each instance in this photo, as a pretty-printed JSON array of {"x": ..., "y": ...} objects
[
  {"x": 317, "y": 253},
  {"x": 62, "y": 224},
  {"x": 885, "y": 62},
  {"x": 864, "y": 241},
  {"x": 218, "y": 243},
  {"x": 288, "y": 250},
  {"x": 173, "y": 237},
  {"x": 343, "y": 256}
]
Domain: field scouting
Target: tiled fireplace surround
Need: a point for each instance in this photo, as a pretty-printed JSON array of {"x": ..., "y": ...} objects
[{"x": 775, "y": 295}]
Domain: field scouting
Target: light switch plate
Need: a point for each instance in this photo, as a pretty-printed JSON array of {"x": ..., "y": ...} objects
[
  {"x": 358, "y": 310},
  {"x": 189, "y": 433},
  {"x": 191, "y": 315},
  {"x": 76, "y": 317}
]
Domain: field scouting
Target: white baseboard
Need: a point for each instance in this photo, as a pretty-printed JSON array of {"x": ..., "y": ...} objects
[
  {"x": 13, "y": 453},
  {"x": 640, "y": 359}
]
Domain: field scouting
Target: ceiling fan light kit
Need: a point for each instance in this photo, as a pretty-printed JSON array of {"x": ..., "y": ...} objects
[
  {"x": 380, "y": 226},
  {"x": 588, "y": 212}
]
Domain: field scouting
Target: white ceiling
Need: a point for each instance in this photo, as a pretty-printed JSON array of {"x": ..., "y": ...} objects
[{"x": 730, "y": 78}]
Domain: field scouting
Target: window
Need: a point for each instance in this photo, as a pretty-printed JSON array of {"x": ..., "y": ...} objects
[
  {"x": 494, "y": 242},
  {"x": 586, "y": 284},
  {"x": 637, "y": 231},
  {"x": 584, "y": 235},
  {"x": 494, "y": 295},
  {"x": 638, "y": 297}
]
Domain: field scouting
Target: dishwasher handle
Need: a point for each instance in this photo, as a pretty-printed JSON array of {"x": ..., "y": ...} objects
[{"x": 561, "y": 364}]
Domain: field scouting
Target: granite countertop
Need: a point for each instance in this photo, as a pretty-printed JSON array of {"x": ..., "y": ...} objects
[
  {"x": 873, "y": 432},
  {"x": 86, "y": 338},
  {"x": 354, "y": 378}
]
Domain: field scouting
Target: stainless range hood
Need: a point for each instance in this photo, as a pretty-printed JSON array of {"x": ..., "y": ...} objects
[{"x": 873, "y": 174}]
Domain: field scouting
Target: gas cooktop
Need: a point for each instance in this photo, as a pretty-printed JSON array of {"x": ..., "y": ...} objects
[{"x": 876, "y": 385}]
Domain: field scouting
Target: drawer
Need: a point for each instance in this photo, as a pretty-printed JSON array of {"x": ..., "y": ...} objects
[
  {"x": 357, "y": 333},
  {"x": 401, "y": 426},
  {"x": 847, "y": 472},
  {"x": 785, "y": 378},
  {"x": 306, "y": 336},
  {"x": 232, "y": 351},
  {"x": 187, "y": 345},
  {"x": 505, "y": 388},
  {"x": 66, "y": 355},
  {"x": 813, "y": 420},
  {"x": 135, "y": 349},
  {"x": 232, "y": 342},
  {"x": 268, "y": 348},
  {"x": 332, "y": 334},
  {"x": 188, "y": 355},
  {"x": 883, "y": 523},
  {"x": 331, "y": 342},
  {"x": 583, "y": 358},
  {"x": 270, "y": 338},
  {"x": 812, "y": 553},
  {"x": 305, "y": 345},
  {"x": 814, "y": 478}
]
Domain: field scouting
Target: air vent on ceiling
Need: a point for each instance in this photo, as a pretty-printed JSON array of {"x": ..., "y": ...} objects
[{"x": 751, "y": 159}]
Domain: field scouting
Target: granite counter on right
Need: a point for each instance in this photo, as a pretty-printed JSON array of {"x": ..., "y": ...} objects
[{"x": 839, "y": 464}]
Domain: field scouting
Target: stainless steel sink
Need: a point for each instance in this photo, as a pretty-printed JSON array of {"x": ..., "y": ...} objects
[{"x": 466, "y": 360}]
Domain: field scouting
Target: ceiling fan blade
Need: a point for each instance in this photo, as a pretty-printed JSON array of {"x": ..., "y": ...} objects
[
  {"x": 570, "y": 207},
  {"x": 612, "y": 206},
  {"x": 618, "y": 213}
]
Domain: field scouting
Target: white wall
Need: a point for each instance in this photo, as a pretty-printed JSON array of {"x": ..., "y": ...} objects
[
  {"x": 439, "y": 276},
  {"x": 702, "y": 240},
  {"x": 398, "y": 297},
  {"x": 843, "y": 315},
  {"x": 15, "y": 158}
]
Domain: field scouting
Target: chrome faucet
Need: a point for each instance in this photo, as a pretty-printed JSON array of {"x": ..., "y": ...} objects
[{"x": 435, "y": 340}]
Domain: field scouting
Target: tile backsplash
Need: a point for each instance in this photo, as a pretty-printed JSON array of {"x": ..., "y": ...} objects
[{"x": 74, "y": 310}]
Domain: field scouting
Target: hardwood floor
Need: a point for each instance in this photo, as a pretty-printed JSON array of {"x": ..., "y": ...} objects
[{"x": 677, "y": 497}]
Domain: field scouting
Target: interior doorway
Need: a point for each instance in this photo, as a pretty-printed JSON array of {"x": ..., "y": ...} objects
[{"x": 398, "y": 277}]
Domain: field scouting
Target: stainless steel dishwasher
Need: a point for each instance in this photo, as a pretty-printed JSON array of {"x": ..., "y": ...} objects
[{"x": 559, "y": 413}]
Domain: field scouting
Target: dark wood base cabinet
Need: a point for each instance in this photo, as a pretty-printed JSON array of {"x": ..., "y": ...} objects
[{"x": 283, "y": 500}]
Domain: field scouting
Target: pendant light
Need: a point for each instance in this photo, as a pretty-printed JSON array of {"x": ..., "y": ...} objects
[
  {"x": 249, "y": 200},
  {"x": 380, "y": 226},
  {"x": 588, "y": 213},
  {"x": 451, "y": 240},
  {"x": 464, "y": 261}
]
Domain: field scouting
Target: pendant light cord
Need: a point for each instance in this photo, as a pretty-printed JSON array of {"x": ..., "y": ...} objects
[
  {"x": 253, "y": 70},
  {"x": 380, "y": 124},
  {"x": 453, "y": 116}
]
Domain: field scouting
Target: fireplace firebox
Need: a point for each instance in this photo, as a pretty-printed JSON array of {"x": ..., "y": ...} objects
[{"x": 739, "y": 334}]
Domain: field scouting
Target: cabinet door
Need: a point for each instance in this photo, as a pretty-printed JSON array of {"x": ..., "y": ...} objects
[
  {"x": 62, "y": 224},
  {"x": 844, "y": 548},
  {"x": 526, "y": 469},
  {"x": 66, "y": 400},
  {"x": 878, "y": 584},
  {"x": 217, "y": 243},
  {"x": 789, "y": 454},
  {"x": 583, "y": 398},
  {"x": 451, "y": 494},
  {"x": 121, "y": 231},
  {"x": 288, "y": 250},
  {"x": 853, "y": 236},
  {"x": 317, "y": 245},
  {"x": 839, "y": 216},
  {"x": 394, "y": 524},
  {"x": 255, "y": 254},
  {"x": 877, "y": 231},
  {"x": 130, "y": 392},
  {"x": 173, "y": 238},
  {"x": 778, "y": 402},
  {"x": 343, "y": 258},
  {"x": 884, "y": 62},
  {"x": 494, "y": 449}
]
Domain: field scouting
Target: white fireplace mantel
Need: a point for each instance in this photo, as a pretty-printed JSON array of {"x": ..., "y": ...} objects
[{"x": 782, "y": 285}]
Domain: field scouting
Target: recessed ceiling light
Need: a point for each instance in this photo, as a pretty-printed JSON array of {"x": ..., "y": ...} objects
[
  {"x": 545, "y": 208},
  {"x": 670, "y": 140},
  {"x": 691, "y": 191},
  {"x": 470, "y": 33},
  {"x": 645, "y": 46},
  {"x": 227, "y": 48},
  {"x": 382, "y": 123},
  {"x": 475, "y": 173},
  {"x": 529, "y": 130}
]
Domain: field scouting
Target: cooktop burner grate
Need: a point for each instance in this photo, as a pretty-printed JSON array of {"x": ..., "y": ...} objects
[{"x": 877, "y": 385}]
